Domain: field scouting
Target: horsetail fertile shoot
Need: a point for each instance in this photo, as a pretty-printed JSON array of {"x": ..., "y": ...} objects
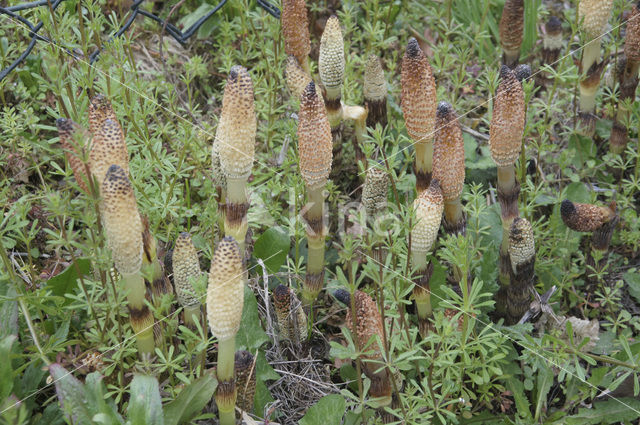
[
  {"x": 428, "y": 208},
  {"x": 448, "y": 166},
  {"x": 594, "y": 16},
  {"x": 295, "y": 31},
  {"x": 419, "y": 109},
  {"x": 186, "y": 269},
  {"x": 511, "y": 31},
  {"x": 123, "y": 229},
  {"x": 73, "y": 141},
  {"x": 236, "y": 139},
  {"x": 315, "y": 154},
  {"x": 505, "y": 142},
  {"x": 225, "y": 299}
]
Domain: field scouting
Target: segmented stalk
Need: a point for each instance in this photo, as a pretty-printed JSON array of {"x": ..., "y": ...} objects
[
  {"x": 315, "y": 153},
  {"x": 225, "y": 299},
  {"x": 235, "y": 144},
  {"x": 419, "y": 109},
  {"x": 123, "y": 229}
]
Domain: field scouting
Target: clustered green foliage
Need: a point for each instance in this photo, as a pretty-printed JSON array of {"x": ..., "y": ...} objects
[{"x": 59, "y": 302}]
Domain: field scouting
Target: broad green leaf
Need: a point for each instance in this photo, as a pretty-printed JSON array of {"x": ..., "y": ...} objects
[
  {"x": 619, "y": 410},
  {"x": 191, "y": 400},
  {"x": 6, "y": 371},
  {"x": 71, "y": 395},
  {"x": 264, "y": 372},
  {"x": 145, "y": 406},
  {"x": 251, "y": 335},
  {"x": 9, "y": 314},
  {"x": 272, "y": 247},
  {"x": 67, "y": 281},
  {"x": 632, "y": 278},
  {"x": 107, "y": 413},
  {"x": 578, "y": 192},
  {"x": 328, "y": 410}
]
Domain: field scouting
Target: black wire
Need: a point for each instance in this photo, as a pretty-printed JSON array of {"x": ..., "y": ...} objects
[{"x": 171, "y": 29}]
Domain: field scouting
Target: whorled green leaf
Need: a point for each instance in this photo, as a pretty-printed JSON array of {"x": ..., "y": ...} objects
[
  {"x": 6, "y": 370},
  {"x": 190, "y": 401}
]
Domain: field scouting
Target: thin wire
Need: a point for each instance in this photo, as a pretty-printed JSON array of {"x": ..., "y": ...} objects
[
  {"x": 129, "y": 339},
  {"x": 490, "y": 326},
  {"x": 432, "y": 133}
]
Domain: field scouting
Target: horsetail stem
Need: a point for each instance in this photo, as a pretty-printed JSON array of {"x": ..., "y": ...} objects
[
  {"x": 505, "y": 142},
  {"x": 428, "y": 208},
  {"x": 594, "y": 15},
  {"x": 511, "y": 31},
  {"x": 186, "y": 268},
  {"x": 374, "y": 91},
  {"x": 225, "y": 299},
  {"x": 245, "y": 369},
  {"x": 295, "y": 31},
  {"x": 73, "y": 141},
  {"x": 522, "y": 254},
  {"x": 235, "y": 139},
  {"x": 123, "y": 229},
  {"x": 314, "y": 150},
  {"x": 419, "y": 109}
]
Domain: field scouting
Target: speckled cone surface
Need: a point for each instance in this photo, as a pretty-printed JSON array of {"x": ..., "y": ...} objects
[
  {"x": 121, "y": 221},
  {"x": 314, "y": 139},
  {"x": 186, "y": 267},
  {"x": 225, "y": 292},
  {"x": 331, "y": 59},
  {"x": 596, "y": 15},
  {"x": 375, "y": 86},
  {"x": 286, "y": 306},
  {"x": 216, "y": 168},
  {"x": 632, "y": 37},
  {"x": 108, "y": 148},
  {"x": 448, "y": 153},
  {"x": 584, "y": 217},
  {"x": 507, "y": 121},
  {"x": 418, "y": 93},
  {"x": 72, "y": 135},
  {"x": 368, "y": 323},
  {"x": 374, "y": 192},
  {"x": 236, "y": 132},
  {"x": 511, "y": 25},
  {"x": 295, "y": 29},
  {"x": 522, "y": 247},
  {"x": 428, "y": 207},
  {"x": 100, "y": 110},
  {"x": 297, "y": 79}
]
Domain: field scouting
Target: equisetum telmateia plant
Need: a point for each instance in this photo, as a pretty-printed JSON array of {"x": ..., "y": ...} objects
[
  {"x": 374, "y": 91},
  {"x": 428, "y": 208},
  {"x": 448, "y": 167},
  {"x": 72, "y": 140},
  {"x": 235, "y": 140},
  {"x": 419, "y": 109},
  {"x": 123, "y": 230},
  {"x": 225, "y": 299},
  {"x": 315, "y": 154},
  {"x": 599, "y": 220},
  {"x": 365, "y": 324},
  {"x": 292, "y": 321},
  {"x": 331, "y": 64},
  {"x": 628, "y": 79},
  {"x": 522, "y": 255},
  {"x": 186, "y": 269},
  {"x": 245, "y": 367},
  {"x": 511, "y": 31},
  {"x": 374, "y": 200},
  {"x": 295, "y": 31},
  {"x": 594, "y": 16},
  {"x": 505, "y": 142}
]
